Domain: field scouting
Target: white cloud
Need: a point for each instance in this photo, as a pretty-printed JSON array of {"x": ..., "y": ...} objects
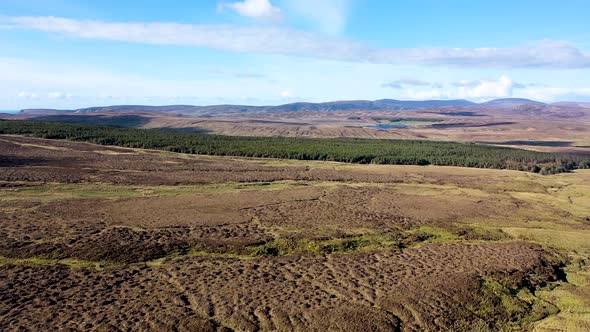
[
  {"x": 59, "y": 95},
  {"x": 503, "y": 87},
  {"x": 258, "y": 9},
  {"x": 499, "y": 88},
  {"x": 67, "y": 85},
  {"x": 465, "y": 89},
  {"x": 518, "y": 85},
  {"x": 550, "y": 94},
  {"x": 401, "y": 83},
  {"x": 466, "y": 83},
  {"x": 93, "y": 85},
  {"x": 27, "y": 95},
  {"x": 473, "y": 90},
  {"x": 329, "y": 15},
  {"x": 249, "y": 75},
  {"x": 286, "y": 94},
  {"x": 545, "y": 53},
  {"x": 274, "y": 40}
]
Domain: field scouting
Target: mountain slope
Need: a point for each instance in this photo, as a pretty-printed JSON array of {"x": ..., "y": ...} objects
[{"x": 511, "y": 102}]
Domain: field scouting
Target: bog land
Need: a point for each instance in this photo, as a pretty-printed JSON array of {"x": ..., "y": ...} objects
[{"x": 101, "y": 237}]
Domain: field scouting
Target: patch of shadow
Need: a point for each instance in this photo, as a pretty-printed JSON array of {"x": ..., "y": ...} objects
[
  {"x": 20, "y": 161},
  {"x": 277, "y": 122},
  {"x": 580, "y": 153},
  {"x": 129, "y": 121},
  {"x": 388, "y": 126},
  {"x": 462, "y": 113},
  {"x": 536, "y": 143},
  {"x": 469, "y": 125},
  {"x": 186, "y": 130}
]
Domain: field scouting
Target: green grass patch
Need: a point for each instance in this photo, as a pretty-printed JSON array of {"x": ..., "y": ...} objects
[
  {"x": 568, "y": 240},
  {"x": 71, "y": 263},
  {"x": 57, "y": 191},
  {"x": 435, "y": 234},
  {"x": 368, "y": 242},
  {"x": 283, "y": 246},
  {"x": 502, "y": 308},
  {"x": 477, "y": 232},
  {"x": 572, "y": 298}
]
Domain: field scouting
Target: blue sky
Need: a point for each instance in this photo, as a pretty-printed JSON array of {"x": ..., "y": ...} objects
[{"x": 69, "y": 54}]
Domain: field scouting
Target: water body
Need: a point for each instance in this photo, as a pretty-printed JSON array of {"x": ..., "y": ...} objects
[
  {"x": 388, "y": 126},
  {"x": 9, "y": 111}
]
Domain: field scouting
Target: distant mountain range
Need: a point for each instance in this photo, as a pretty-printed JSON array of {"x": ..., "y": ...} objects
[
  {"x": 345, "y": 105},
  {"x": 511, "y": 103}
]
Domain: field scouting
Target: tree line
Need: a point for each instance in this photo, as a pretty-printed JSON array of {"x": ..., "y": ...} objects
[{"x": 350, "y": 150}]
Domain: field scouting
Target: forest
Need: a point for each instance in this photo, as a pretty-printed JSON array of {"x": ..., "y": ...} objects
[{"x": 350, "y": 150}]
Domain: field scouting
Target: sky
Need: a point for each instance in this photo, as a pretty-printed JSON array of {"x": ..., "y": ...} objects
[{"x": 80, "y": 53}]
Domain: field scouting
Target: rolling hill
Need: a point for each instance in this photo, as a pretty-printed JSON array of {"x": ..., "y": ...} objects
[
  {"x": 344, "y": 105},
  {"x": 511, "y": 103}
]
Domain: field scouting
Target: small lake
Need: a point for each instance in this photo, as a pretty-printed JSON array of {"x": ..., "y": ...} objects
[{"x": 388, "y": 126}]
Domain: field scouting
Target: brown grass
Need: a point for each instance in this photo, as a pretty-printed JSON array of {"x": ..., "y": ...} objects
[{"x": 146, "y": 240}]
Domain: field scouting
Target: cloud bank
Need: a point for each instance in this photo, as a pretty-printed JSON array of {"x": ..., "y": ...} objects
[
  {"x": 404, "y": 82},
  {"x": 258, "y": 9},
  {"x": 476, "y": 90},
  {"x": 276, "y": 40}
]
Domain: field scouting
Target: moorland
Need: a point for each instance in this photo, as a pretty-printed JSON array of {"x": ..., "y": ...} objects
[
  {"x": 522, "y": 123},
  {"x": 362, "y": 151},
  {"x": 106, "y": 237}
]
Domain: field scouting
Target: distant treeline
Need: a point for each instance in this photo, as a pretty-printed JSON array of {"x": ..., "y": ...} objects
[{"x": 351, "y": 150}]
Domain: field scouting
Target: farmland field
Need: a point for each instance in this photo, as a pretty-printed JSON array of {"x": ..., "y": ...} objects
[{"x": 108, "y": 238}]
